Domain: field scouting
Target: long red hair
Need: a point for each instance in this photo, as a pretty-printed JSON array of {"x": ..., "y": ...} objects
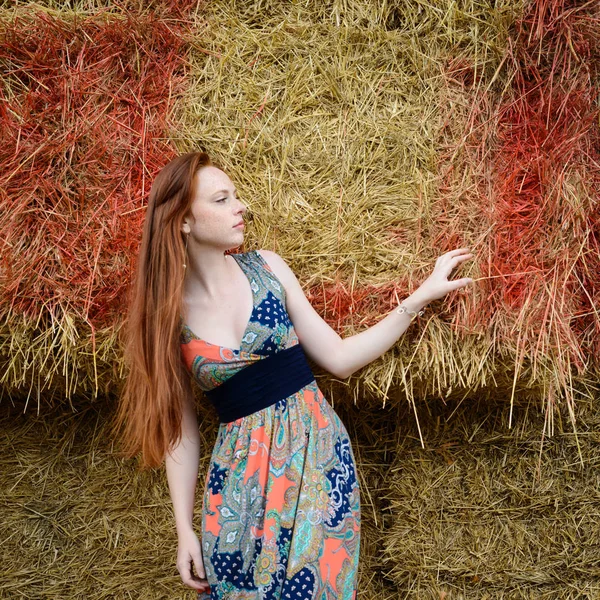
[{"x": 149, "y": 413}]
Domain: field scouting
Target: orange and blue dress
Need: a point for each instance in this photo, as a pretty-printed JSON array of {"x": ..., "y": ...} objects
[{"x": 281, "y": 504}]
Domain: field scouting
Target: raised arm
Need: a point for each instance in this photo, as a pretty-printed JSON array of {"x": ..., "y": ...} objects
[{"x": 343, "y": 356}]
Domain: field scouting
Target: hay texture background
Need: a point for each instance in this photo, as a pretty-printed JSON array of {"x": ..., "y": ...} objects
[
  {"x": 366, "y": 138},
  {"x": 484, "y": 511}
]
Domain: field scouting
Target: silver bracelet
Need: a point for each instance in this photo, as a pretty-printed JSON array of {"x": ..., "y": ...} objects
[{"x": 403, "y": 309}]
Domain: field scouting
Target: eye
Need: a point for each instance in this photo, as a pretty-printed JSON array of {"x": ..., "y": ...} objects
[{"x": 221, "y": 199}]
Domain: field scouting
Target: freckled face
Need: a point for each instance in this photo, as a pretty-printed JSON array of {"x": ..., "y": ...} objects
[{"x": 216, "y": 209}]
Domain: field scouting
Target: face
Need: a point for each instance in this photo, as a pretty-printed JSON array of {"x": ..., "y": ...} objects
[{"x": 215, "y": 210}]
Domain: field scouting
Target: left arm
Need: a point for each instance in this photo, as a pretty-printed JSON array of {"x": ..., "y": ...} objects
[{"x": 339, "y": 356}]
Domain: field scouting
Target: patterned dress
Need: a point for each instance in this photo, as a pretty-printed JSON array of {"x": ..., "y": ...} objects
[{"x": 281, "y": 505}]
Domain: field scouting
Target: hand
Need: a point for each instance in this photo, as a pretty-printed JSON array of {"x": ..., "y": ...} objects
[
  {"x": 437, "y": 284},
  {"x": 188, "y": 553}
]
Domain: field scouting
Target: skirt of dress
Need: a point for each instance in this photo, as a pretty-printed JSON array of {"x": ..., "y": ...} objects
[{"x": 281, "y": 505}]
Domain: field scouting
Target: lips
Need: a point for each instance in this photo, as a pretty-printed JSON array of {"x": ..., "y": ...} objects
[{"x": 240, "y": 223}]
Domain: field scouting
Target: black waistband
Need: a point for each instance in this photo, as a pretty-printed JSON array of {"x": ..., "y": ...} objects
[{"x": 261, "y": 384}]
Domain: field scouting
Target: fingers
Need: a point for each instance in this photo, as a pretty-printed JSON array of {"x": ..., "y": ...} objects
[
  {"x": 459, "y": 257},
  {"x": 189, "y": 577},
  {"x": 463, "y": 283},
  {"x": 456, "y": 260},
  {"x": 198, "y": 563},
  {"x": 459, "y": 251},
  {"x": 448, "y": 267},
  {"x": 454, "y": 257},
  {"x": 185, "y": 571}
]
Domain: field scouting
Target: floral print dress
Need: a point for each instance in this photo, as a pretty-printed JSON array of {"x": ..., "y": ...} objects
[{"x": 281, "y": 504}]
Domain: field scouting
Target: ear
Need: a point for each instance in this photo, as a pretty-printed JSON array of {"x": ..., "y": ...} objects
[{"x": 185, "y": 228}]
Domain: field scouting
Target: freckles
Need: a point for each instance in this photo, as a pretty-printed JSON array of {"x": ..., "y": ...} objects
[
  {"x": 203, "y": 216},
  {"x": 210, "y": 222}
]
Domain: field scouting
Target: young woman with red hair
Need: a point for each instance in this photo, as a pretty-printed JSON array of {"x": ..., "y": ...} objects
[{"x": 281, "y": 503}]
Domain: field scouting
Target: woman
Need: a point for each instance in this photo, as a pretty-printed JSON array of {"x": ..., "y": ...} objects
[{"x": 281, "y": 504}]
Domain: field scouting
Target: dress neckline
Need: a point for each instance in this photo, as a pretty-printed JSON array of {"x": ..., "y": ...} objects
[{"x": 254, "y": 293}]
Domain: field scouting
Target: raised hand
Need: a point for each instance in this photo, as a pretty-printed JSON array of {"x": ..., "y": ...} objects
[{"x": 437, "y": 285}]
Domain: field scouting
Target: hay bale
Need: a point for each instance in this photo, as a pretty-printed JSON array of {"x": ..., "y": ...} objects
[
  {"x": 85, "y": 109},
  {"x": 333, "y": 119},
  {"x": 365, "y": 142},
  {"x": 77, "y": 521},
  {"x": 483, "y": 511},
  {"x": 489, "y": 512}
]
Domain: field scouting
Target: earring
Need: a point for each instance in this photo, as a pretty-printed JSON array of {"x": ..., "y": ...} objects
[{"x": 187, "y": 237}]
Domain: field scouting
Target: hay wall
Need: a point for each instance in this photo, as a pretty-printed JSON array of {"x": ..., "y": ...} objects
[
  {"x": 481, "y": 512},
  {"x": 366, "y": 138}
]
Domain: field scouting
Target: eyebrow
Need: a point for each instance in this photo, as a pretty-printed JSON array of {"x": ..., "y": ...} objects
[{"x": 224, "y": 192}]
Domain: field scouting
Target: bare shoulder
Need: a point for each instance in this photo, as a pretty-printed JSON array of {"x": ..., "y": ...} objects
[
  {"x": 269, "y": 255},
  {"x": 319, "y": 340},
  {"x": 279, "y": 267}
]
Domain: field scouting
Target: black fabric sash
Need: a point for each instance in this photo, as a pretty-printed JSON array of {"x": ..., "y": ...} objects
[{"x": 261, "y": 384}]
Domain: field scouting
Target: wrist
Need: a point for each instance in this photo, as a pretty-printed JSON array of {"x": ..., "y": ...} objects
[
  {"x": 184, "y": 529},
  {"x": 415, "y": 302}
]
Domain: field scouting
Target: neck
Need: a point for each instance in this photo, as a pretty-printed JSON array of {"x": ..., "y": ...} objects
[{"x": 208, "y": 274}]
